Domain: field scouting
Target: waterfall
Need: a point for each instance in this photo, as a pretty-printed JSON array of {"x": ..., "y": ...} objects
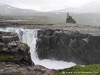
[{"x": 29, "y": 36}]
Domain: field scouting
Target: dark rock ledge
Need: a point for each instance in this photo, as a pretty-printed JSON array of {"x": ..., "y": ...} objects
[
  {"x": 12, "y": 50},
  {"x": 73, "y": 43},
  {"x": 15, "y": 69}
]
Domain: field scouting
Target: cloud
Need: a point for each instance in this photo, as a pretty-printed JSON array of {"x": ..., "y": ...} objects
[
  {"x": 27, "y": 6},
  {"x": 45, "y": 5}
]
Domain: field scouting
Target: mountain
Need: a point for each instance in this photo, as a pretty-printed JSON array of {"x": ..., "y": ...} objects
[
  {"x": 9, "y": 10},
  {"x": 92, "y": 7},
  {"x": 67, "y": 10}
]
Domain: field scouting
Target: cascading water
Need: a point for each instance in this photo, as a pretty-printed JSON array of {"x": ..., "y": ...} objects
[{"x": 29, "y": 36}]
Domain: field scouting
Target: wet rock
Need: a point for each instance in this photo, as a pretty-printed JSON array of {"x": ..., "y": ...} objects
[
  {"x": 69, "y": 45},
  {"x": 38, "y": 67},
  {"x": 51, "y": 72},
  {"x": 12, "y": 50},
  {"x": 7, "y": 37},
  {"x": 14, "y": 69}
]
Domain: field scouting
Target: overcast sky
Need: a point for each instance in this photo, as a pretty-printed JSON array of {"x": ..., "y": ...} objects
[{"x": 46, "y": 5}]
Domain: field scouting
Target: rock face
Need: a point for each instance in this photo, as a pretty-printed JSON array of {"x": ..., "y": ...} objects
[
  {"x": 15, "y": 57},
  {"x": 69, "y": 45},
  {"x": 14, "y": 69},
  {"x": 12, "y": 50},
  {"x": 69, "y": 19}
]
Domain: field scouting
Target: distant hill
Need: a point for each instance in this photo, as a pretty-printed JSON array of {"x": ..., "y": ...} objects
[
  {"x": 92, "y": 17},
  {"x": 9, "y": 10}
]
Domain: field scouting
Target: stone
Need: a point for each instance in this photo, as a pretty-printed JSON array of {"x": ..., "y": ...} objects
[
  {"x": 7, "y": 37},
  {"x": 14, "y": 69},
  {"x": 51, "y": 72}
]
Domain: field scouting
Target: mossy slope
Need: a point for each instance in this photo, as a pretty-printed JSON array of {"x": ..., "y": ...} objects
[{"x": 80, "y": 70}]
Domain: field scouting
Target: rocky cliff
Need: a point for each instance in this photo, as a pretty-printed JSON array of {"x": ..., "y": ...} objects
[
  {"x": 73, "y": 43},
  {"x": 68, "y": 42},
  {"x": 15, "y": 57},
  {"x": 12, "y": 50}
]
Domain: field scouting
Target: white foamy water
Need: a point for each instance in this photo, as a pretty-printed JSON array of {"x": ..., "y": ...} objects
[{"x": 29, "y": 36}]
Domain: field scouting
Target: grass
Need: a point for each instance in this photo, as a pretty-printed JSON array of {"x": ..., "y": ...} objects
[
  {"x": 5, "y": 58},
  {"x": 80, "y": 70}
]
